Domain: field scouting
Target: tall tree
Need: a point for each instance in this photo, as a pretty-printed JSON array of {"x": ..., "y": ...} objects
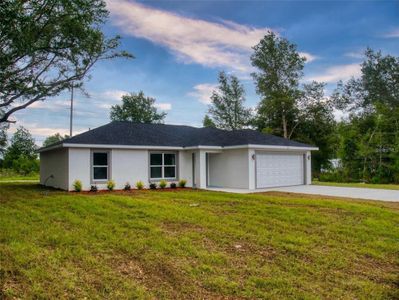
[
  {"x": 227, "y": 109},
  {"x": 279, "y": 68},
  {"x": 316, "y": 124},
  {"x": 48, "y": 46},
  {"x": 137, "y": 108},
  {"x": 22, "y": 146},
  {"x": 55, "y": 138},
  {"x": 372, "y": 101},
  {"x": 207, "y": 122}
]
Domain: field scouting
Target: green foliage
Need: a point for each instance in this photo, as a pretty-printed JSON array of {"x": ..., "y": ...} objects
[
  {"x": 55, "y": 138},
  {"x": 77, "y": 185},
  {"x": 279, "y": 69},
  {"x": 227, "y": 109},
  {"x": 110, "y": 185},
  {"x": 48, "y": 46},
  {"x": 207, "y": 122},
  {"x": 127, "y": 186},
  {"x": 25, "y": 165},
  {"x": 139, "y": 185},
  {"x": 137, "y": 108},
  {"x": 153, "y": 186},
  {"x": 21, "y": 154},
  {"x": 163, "y": 184},
  {"x": 182, "y": 183},
  {"x": 369, "y": 139},
  {"x": 173, "y": 185},
  {"x": 12, "y": 175},
  {"x": 316, "y": 125}
]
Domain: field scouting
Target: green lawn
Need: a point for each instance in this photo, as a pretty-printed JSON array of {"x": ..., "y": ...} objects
[
  {"x": 194, "y": 245},
  {"x": 361, "y": 185},
  {"x": 9, "y": 175}
]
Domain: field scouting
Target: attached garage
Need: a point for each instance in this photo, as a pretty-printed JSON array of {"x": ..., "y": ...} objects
[{"x": 274, "y": 169}]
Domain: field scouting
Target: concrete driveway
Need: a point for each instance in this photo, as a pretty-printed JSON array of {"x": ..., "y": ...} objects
[
  {"x": 334, "y": 191},
  {"x": 348, "y": 192}
]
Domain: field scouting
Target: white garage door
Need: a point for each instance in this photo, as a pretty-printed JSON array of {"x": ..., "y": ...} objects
[{"x": 279, "y": 169}]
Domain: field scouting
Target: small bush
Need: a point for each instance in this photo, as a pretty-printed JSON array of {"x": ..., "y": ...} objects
[
  {"x": 162, "y": 184},
  {"x": 110, "y": 185},
  {"x": 77, "y": 186},
  {"x": 127, "y": 186},
  {"x": 139, "y": 185},
  {"x": 173, "y": 185},
  {"x": 93, "y": 188},
  {"x": 182, "y": 183},
  {"x": 153, "y": 186}
]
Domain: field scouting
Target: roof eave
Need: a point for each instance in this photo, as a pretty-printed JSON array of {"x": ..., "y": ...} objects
[{"x": 272, "y": 147}]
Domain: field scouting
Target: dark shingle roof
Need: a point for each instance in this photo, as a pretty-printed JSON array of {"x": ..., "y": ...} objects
[{"x": 128, "y": 133}]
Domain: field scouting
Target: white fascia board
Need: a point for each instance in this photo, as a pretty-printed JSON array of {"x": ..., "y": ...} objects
[
  {"x": 204, "y": 147},
  {"x": 271, "y": 147},
  {"x": 249, "y": 146},
  {"x": 121, "y": 147}
]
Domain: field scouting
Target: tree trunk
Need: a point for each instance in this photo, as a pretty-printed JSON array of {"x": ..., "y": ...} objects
[{"x": 285, "y": 127}]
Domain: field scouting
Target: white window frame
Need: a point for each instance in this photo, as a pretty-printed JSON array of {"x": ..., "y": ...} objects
[
  {"x": 162, "y": 166},
  {"x": 99, "y": 166}
]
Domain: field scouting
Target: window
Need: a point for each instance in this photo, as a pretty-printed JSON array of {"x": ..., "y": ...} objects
[
  {"x": 162, "y": 165},
  {"x": 100, "y": 166}
]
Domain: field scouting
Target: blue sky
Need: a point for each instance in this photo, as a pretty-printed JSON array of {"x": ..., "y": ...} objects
[{"x": 180, "y": 46}]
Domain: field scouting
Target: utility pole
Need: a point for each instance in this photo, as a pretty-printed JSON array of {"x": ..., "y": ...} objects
[{"x": 71, "y": 114}]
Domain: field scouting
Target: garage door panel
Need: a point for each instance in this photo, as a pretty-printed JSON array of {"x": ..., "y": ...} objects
[{"x": 275, "y": 169}]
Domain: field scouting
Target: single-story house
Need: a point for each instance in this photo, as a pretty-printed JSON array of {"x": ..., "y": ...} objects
[{"x": 205, "y": 157}]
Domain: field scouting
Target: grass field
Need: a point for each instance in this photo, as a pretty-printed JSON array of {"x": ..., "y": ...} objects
[
  {"x": 194, "y": 245},
  {"x": 360, "y": 185},
  {"x": 9, "y": 175}
]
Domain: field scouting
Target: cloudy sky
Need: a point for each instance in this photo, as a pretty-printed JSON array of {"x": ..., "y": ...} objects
[{"x": 181, "y": 45}]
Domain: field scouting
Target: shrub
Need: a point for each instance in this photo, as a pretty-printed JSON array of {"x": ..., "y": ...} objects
[
  {"x": 127, "y": 186},
  {"x": 182, "y": 183},
  {"x": 162, "y": 184},
  {"x": 110, "y": 185},
  {"x": 153, "y": 186},
  {"x": 93, "y": 188},
  {"x": 77, "y": 186},
  {"x": 173, "y": 185},
  {"x": 139, "y": 185},
  {"x": 25, "y": 165}
]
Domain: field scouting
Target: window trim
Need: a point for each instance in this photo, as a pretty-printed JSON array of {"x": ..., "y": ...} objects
[
  {"x": 92, "y": 166},
  {"x": 162, "y": 166}
]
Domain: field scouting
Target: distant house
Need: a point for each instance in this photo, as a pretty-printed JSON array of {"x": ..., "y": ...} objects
[{"x": 205, "y": 157}]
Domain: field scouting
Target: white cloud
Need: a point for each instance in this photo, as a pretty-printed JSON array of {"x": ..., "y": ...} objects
[
  {"x": 203, "y": 92},
  {"x": 392, "y": 34},
  {"x": 336, "y": 73},
  {"x": 212, "y": 44},
  {"x": 309, "y": 57},
  {"x": 40, "y": 132},
  {"x": 163, "y": 106},
  {"x": 114, "y": 95},
  {"x": 52, "y": 104},
  {"x": 356, "y": 54}
]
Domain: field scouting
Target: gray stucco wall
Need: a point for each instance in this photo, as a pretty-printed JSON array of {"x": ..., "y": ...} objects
[
  {"x": 229, "y": 169},
  {"x": 54, "y": 163}
]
